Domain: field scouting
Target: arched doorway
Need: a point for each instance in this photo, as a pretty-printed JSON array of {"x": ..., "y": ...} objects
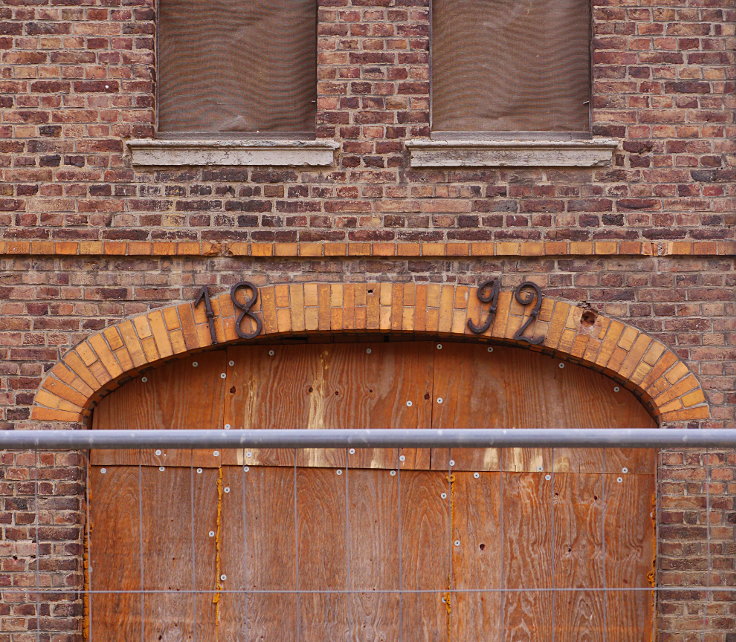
[{"x": 371, "y": 545}]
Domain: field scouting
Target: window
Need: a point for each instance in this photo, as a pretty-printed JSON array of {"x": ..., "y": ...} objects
[
  {"x": 234, "y": 67},
  {"x": 511, "y": 66}
]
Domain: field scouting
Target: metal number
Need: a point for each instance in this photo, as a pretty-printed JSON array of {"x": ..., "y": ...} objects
[
  {"x": 204, "y": 295},
  {"x": 245, "y": 309},
  {"x": 487, "y": 293},
  {"x": 525, "y": 297}
]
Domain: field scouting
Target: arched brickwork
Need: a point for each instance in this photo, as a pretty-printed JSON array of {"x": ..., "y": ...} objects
[{"x": 641, "y": 363}]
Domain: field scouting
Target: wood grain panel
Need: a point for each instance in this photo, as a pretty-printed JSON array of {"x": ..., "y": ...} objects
[
  {"x": 527, "y": 556},
  {"x": 425, "y": 554},
  {"x": 114, "y": 510},
  {"x": 373, "y": 553},
  {"x": 258, "y": 554},
  {"x": 477, "y": 561},
  {"x": 175, "y": 395},
  {"x": 179, "y": 555},
  {"x": 578, "y": 557},
  {"x": 513, "y": 388},
  {"x": 322, "y": 554},
  {"x": 630, "y": 554}
]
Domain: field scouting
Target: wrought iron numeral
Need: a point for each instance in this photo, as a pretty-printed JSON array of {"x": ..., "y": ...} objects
[
  {"x": 488, "y": 292},
  {"x": 526, "y": 297},
  {"x": 204, "y": 295},
  {"x": 245, "y": 309}
]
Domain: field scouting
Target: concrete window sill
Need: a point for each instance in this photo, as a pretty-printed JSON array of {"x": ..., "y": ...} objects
[
  {"x": 165, "y": 153},
  {"x": 594, "y": 152}
]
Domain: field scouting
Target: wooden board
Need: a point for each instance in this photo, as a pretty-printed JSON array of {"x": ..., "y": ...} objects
[
  {"x": 513, "y": 388},
  {"x": 527, "y": 556},
  {"x": 114, "y": 561},
  {"x": 259, "y": 541},
  {"x": 382, "y": 385},
  {"x": 177, "y": 395}
]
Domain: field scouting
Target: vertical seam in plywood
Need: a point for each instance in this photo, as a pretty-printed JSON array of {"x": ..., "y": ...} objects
[
  {"x": 218, "y": 548},
  {"x": 450, "y": 583}
]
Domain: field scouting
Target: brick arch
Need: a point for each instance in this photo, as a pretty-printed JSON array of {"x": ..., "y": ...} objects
[{"x": 641, "y": 363}]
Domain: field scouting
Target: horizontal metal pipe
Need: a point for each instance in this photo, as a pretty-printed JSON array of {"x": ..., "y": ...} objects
[{"x": 373, "y": 438}]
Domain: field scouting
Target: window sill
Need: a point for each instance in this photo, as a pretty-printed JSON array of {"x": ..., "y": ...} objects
[
  {"x": 594, "y": 152},
  {"x": 154, "y": 152}
]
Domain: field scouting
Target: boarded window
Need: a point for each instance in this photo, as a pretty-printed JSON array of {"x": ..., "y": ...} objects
[
  {"x": 511, "y": 65},
  {"x": 233, "y": 66}
]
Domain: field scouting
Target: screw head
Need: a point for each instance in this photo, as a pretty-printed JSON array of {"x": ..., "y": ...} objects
[
  {"x": 476, "y": 475},
  {"x": 409, "y": 404},
  {"x": 216, "y": 453},
  {"x": 246, "y": 469},
  {"x": 103, "y": 471},
  {"x": 227, "y": 426},
  {"x": 457, "y": 542},
  {"x": 231, "y": 363},
  {"x": 199, "y": 471},
  {"x": 223, "y": 577},
  {"x": 452, "y": 463},
  {"x": 211, "y": 533},
  {"x": 443, "y": 495},
  {"x": 338, "y": 471},
  {"x": 439, "y": 346},
  {"x": 616, "y": 389},
  {"x": 271, "y": 353},
  {"x": 624, "y": 470},
  {"x": 368, "y": 350},
  {"x": 352, "y": 451},
  {"x": 540, "y": 469},
  {"x": 223, "y": 375},
  {"x": 226, "y": 489},
  {"x": 402, "y": 458},
  {"x": 161, "y": 468},
  {"x": 158, "y": 453},
  {"x": 144, "y": 379},
  {"x": 490, "y": 348},
  {"x": 249, "y": 455},
  {"x": 548, "y": 477},
  {"x": 393, "y": 473},
  {"x": 440, "y": 400},
  {"x": 195, "y": 364},
  {"x": 561, "y": 365},
  {"x": 619, "y": 479}
]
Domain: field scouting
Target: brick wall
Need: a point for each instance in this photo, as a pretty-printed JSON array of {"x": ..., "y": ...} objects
[{"x": 77, "y": 79}]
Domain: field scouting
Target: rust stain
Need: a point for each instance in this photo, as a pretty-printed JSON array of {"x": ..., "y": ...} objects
[{"x": 218, "y": 548}]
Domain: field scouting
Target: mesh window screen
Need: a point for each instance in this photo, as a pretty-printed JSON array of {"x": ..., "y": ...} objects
[
  {"x": 510, "y": 65},
  {"x": 228, "y": 66}
]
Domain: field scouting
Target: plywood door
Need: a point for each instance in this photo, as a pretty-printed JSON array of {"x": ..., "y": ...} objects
[{"x": 370, "y": 545}]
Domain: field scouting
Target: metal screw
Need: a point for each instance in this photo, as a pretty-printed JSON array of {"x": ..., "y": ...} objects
[
  {"x": 443, "y": 495},
  {"x": 161, "y": 468},
  {"x": 158, "y": 453},
  {"x": 199, "y": 471},
  {"x": 440, "y": 400},
  {"x": 476, "y": 475},
  {"x": 616, "y": 389},
  {"x": 393, "y": 473},
  {"x": 402, "y": 458},
  {"x": 223, "y": 375},
  {"x": 338, "y": 471},
  {"x": 457, "y": 542},
  {"x": 619, "y": 479},
  {"x": 211, "y": 533},
  {"x": 246, "y": 469},
  {"x": 231, "y": 363},
  {"x": 624, "y": 470},
  {"x": 227, "y": 426},
  {"x": 226, "y": 489},
  {"x": 195, "y": 364},
  {"x": 540, "y": 469},
  {"x": 548, "y": 477},
  {"x": 144, "y": 379},
  {"x": 103, "y": 470},
  {"x": 223, "y": 577},
  {"x": 452, "y": 462},
  {"x": 271, "y": 353},
  {"x": 562, "y": 365},
  {"x": 368, "y": 350},
  {"x": 352, "y": 451},
  {"x": 439, "y": 346},
  {"x": 409, "y": 404},
  {"x": 216, "y": 453},
  {"x": 490, "y": 348},
  {"x": 248, "y": 455}
]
